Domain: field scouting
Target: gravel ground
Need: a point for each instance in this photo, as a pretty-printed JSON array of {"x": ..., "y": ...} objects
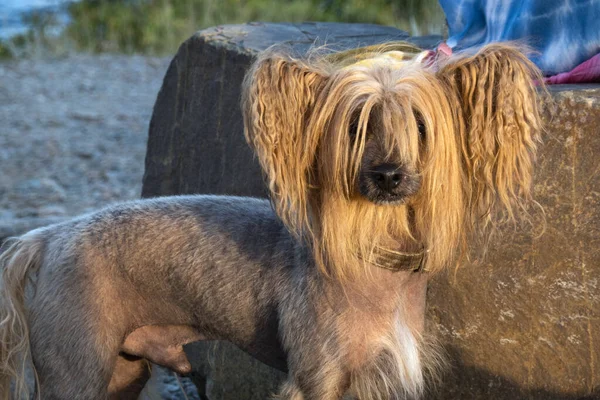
[{"x": 73, "y": 137}]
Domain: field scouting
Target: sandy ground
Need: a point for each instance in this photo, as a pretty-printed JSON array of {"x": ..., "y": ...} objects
[{"x": 73, "y": 135}]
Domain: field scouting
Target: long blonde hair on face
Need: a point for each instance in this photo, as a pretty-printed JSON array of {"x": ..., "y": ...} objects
[{"x": 480, "y": 115}]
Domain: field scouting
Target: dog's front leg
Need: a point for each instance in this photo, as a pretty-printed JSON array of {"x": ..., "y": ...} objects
[
  {"x": 321, "y": 384},
  {"x": 316, "y": 370}
]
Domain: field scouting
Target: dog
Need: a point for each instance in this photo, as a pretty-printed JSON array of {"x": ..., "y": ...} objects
[{"x": 382, "y": 165}]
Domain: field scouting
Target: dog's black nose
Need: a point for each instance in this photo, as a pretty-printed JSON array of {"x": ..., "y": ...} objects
[{"x": 387, "y": 176}]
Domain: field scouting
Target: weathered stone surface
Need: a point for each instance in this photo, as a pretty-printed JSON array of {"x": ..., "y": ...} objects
[
  {"x": 523, "y": 324},
  {"x": 190, "y": 148}
]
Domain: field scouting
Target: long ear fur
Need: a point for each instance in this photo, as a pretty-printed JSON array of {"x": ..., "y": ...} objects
[
  {"x": 494, "y": 96},
  {"x": 279, "y": 92}
]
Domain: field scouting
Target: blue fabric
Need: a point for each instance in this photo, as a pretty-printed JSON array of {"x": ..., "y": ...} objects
[{"x": 565, "y": 33}]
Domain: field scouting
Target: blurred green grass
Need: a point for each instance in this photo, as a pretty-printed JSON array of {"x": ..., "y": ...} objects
[{"x": 157, "y": 27}]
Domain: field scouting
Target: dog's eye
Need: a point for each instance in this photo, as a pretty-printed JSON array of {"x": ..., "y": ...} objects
[
  {"x": 422, "y": 129},
  {"x": 421, "y": 126}
]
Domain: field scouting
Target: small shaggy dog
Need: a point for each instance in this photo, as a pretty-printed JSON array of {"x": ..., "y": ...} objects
[{"x": 381, "y": 166}]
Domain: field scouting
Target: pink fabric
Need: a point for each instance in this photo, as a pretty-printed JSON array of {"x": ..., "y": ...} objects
[
  {"x": 586, "y": 72},
  {"x": 444, "y": 49}
]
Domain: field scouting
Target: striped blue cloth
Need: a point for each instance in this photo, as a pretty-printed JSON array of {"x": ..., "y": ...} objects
[{"x": 565, "y": 33}]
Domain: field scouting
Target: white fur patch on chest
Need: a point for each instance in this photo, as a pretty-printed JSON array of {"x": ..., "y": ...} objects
[{"x": 396, "y": 370}]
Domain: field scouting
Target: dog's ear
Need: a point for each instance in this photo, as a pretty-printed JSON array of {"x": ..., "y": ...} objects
[
  {"x": 495, "y": 102},
  {"x": 279, "y": 95}
]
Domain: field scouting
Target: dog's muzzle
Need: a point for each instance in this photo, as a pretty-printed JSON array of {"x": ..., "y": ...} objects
[
  {"x": 388, "y": 184},
  {"x": 387, "y": 177}
]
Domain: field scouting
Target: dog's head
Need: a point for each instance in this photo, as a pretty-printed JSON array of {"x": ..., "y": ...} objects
[{"x": 388, "y": 153}]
